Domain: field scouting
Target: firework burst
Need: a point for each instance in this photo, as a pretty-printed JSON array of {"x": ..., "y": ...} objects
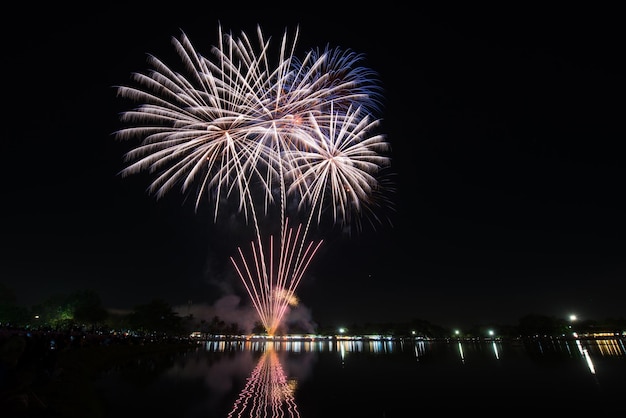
[{"x": 268, "y": 134}]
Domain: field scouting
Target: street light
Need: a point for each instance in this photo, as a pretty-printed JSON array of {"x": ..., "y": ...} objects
[{"x": 573, "y": 318}]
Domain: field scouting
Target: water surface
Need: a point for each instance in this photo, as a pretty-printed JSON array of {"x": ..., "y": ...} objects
[{"x": 381, "y": 378}]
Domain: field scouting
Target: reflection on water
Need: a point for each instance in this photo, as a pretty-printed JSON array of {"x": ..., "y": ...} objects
[
  {"x": 535, "y": 346},
  {"x": 495, "y": 350},
  {"x": 307, "y": 378},
  {"x": 268, "y": 392},
  {"x": 461, "y": 352},
  {"x": 606, "y": 347},
  {"x": 610, "y": 347},
  {"x": 586, "y": 356}
]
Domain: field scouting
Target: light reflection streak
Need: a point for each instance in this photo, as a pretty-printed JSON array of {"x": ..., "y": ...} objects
[
  {"x": 268, "y": 392},
  {"x": 586, "y": 356},
  {"x": 569, "y": 351},
  {"x": 608, "y": 347},
  {"x": 600, "y": 347},
  {"x": 376, "y": 347},
  {"x": 419, "y": 349},
  {"x": 495, "y": 350},
  {"x": 342, "y": 351}
]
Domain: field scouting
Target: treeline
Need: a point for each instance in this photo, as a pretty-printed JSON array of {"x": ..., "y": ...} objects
[
  {"x": 528, "y": 325},
  {"x": 84, "y": 311}
]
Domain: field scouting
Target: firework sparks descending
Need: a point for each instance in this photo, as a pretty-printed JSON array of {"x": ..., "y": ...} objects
[{"x": 241, "y": 128}]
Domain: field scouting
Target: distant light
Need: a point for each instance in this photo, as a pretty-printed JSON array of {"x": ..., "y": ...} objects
[
  {"x": 573, "y": 318},
  {"x": 342, "y": 330}
]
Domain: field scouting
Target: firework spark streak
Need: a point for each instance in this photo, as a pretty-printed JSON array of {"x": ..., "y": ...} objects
[
  {"x": 273, "y": 294},
  {"x": 294, "y": 134}
]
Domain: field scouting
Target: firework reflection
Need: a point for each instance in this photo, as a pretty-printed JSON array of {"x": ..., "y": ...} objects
[{"x": 268, "y": 392}]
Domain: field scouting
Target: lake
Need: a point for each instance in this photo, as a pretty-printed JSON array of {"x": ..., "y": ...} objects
[{"x": 371, "y": 378}]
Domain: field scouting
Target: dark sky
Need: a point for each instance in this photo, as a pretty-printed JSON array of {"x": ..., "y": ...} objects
[{"x": 506, "y": 129}]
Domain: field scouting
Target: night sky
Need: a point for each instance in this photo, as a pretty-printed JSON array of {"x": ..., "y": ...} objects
[{"x": 506, "y": 129}]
